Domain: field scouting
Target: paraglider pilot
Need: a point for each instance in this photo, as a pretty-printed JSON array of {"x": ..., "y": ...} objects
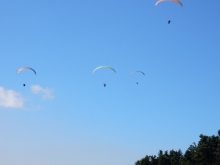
[
  {"x": 169, "y": 21},
  {"x": 104, "y": 85}
]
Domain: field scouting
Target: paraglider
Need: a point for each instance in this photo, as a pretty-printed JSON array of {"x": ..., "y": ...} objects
[
  {"x": 101, "y": 67},
  {"x": 176, "y": 1},
  {"x": 136, "y": 72},
  {"x": 25, "y": 68}
]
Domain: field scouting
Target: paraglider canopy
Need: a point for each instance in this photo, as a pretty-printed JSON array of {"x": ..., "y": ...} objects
[
  {"x": 176, "y": 1},
  {"x": 136, "y": 72},
  {"x": 25, "y": 68},
  {"x": 100, "y": 67}
]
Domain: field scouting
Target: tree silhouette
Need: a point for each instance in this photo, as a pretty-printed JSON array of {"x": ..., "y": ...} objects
[{"x": 207, "y": 152}]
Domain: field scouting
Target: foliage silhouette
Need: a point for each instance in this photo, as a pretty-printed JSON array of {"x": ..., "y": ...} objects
[{"x": 207, "y": 152}]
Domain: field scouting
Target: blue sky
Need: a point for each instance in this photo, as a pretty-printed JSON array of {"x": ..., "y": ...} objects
[{"x": 64, "y": 115}]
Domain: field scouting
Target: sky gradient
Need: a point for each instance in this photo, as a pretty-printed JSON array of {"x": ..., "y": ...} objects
[{"x": 64, "y": 115}]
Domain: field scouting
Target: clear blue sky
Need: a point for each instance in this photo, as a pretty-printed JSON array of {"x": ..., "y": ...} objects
[{"x": 64, "y": 115}]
